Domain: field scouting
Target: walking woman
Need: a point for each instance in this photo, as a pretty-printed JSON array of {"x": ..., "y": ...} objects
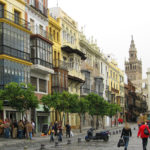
[{"x": 126, "y": 133}]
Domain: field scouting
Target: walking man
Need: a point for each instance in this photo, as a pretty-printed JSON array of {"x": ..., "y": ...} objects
[{"x": 144, "y": 134}]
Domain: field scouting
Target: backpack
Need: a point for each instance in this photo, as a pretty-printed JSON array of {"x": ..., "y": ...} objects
[{"x": 146, "y": 132}]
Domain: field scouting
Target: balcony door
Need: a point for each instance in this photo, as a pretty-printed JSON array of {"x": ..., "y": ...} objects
[
  {"x": 17, "y": 14},
  {"x": 1, "y": 10}
]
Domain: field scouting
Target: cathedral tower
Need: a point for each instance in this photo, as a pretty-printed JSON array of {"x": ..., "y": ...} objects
[{"x": 133, "y": 67}]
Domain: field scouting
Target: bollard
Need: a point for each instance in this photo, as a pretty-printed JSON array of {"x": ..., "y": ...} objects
[
  {"x": 116, "y": 132},
  {"x": 56, "y": 144},
  {"x": 113, "y": 132},
  {"x": 69, "y": 142},
  {"x": 119, "y": 131},
  {"x": 79, "y": 140},
  {"x": 25, "y": 148},
  {"x": 134, "y": 128},
  {"x": 42, "y": 146}
]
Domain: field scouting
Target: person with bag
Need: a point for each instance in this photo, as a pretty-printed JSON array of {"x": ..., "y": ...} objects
[
  {"x": 126, "y": 133},
  {"x": 144, "y": 133}
]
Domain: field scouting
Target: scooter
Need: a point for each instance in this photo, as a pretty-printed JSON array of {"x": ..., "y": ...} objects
[{"x": 103, "y": 135}]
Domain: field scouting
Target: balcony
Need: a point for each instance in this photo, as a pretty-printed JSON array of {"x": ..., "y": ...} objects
[
  {"x": 36, "y": 30},
  {"x": 12, "y": 18},
  {"x": 60, "y": 64},
  {"x": 41, "y": 66}
]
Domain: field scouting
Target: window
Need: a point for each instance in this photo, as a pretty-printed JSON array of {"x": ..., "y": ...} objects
[
  {"x": 32, "y": 25},
  {"x": 41, "y": 5},
  {"x": 32, "y": 2},
  {"x": 41, "y": 30},
  {"x": 34, "y": 82},
  {"x": 1, "y": 10},
  {"x": 101, "y": 68},
  {"x": 16, "y": 14},
  {"x": 57, "y": 37},
  {"x": 42, "y": 85},
  {"x": 54, "y": 34}
]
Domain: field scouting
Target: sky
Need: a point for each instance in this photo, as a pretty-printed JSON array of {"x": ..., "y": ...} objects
[{"x": 111, "y": 23}]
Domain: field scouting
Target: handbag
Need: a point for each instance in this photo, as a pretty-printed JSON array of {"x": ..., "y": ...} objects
[{"x": 121, "y": 142}]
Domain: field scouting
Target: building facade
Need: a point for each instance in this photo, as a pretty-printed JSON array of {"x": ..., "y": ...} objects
[
  {"x": 116, "y": 87},
  {"x": 71, "y": 56},
  {"x": 41, "y": 55},
  {"x": 15, "y": 50},
  {"x": 95, "y": 69}
]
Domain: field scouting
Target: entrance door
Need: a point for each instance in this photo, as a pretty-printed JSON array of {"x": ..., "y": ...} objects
[{"x": 42, "y": 120}]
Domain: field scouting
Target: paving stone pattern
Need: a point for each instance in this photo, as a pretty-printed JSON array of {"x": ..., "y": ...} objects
[{"x": 134, "y": 143}]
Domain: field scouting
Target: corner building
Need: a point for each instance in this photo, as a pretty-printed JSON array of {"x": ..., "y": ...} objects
[{"x": 14, "y": 48}]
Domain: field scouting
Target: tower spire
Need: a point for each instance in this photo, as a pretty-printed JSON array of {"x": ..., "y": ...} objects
[{"x": 132, "y": 45}]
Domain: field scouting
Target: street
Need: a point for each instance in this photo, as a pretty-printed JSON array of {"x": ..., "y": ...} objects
[{"x": 134, "y": 143}]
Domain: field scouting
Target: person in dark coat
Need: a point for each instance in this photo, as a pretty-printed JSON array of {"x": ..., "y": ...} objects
[
  {"x": 68, "y": 129},
  {"x": 55, "y": 127},
  {"x": 126, "y": 133}
]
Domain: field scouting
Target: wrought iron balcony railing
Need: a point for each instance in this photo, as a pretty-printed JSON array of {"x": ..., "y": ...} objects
[
  {"x": 37, "y": 30},
  {"x": 12, "y": 18}
]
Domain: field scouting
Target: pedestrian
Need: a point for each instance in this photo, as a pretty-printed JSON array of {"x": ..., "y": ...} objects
[
  {"x": 142, "y": 133},
  {"x": 7, "y": 128},
  {"x": 29, "y": 130},
  {"x": 126, "y": 133},
  {"x": 68, "y": 129},
  {"x": 33, "y": 127},
  {"x": 55, "y": 127},
  {"x": 60, "y": 132},
  {"x": 14, "y": 129},
  {"x": 20, "y": 129},
  {"x": 51, "y": 133}
]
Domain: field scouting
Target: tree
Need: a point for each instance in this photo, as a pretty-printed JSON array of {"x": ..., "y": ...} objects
[
  {"x": 94, "y": 105},
  {"x": 20, "y": 96},
  {"x": 83, "y": 106},
  {"x": 112, "y": 110},
  {"x": 1, "y": 104},
  {"x": 103, "y": 109}
]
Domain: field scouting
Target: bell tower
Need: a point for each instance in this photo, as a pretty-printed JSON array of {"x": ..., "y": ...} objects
[{"x": 133, "y": 67}]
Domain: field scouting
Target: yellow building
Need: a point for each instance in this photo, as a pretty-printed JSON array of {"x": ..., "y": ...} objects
[
  {"x": 116, "y": 84},
  {"x": 55, "y": 34},
  {"x": 15, "y": 48}
]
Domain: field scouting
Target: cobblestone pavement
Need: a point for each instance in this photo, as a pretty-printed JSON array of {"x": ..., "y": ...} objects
[{"x": 134, "y": 143}]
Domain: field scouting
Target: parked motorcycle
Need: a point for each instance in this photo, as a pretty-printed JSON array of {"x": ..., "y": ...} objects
[{"x": 103, "y": 135}]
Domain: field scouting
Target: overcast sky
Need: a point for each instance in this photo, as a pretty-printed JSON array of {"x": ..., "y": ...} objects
[{"x": 112, "y": 22}]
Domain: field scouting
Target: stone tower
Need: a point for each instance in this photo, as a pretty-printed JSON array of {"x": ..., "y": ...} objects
[{"x": 133, "y": 67}]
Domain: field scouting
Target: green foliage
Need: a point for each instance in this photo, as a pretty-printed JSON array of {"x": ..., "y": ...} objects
[
  {"x": 83, "y": 106},
  {"x": 94, "y": 103},
  {"x": 113, "y": 109},
  {"x": 1, "y": 104},
  {"x": 20, "y": 96}
]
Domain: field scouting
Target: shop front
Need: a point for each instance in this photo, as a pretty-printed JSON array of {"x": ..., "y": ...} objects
[{"x": 42, "y": 118}]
